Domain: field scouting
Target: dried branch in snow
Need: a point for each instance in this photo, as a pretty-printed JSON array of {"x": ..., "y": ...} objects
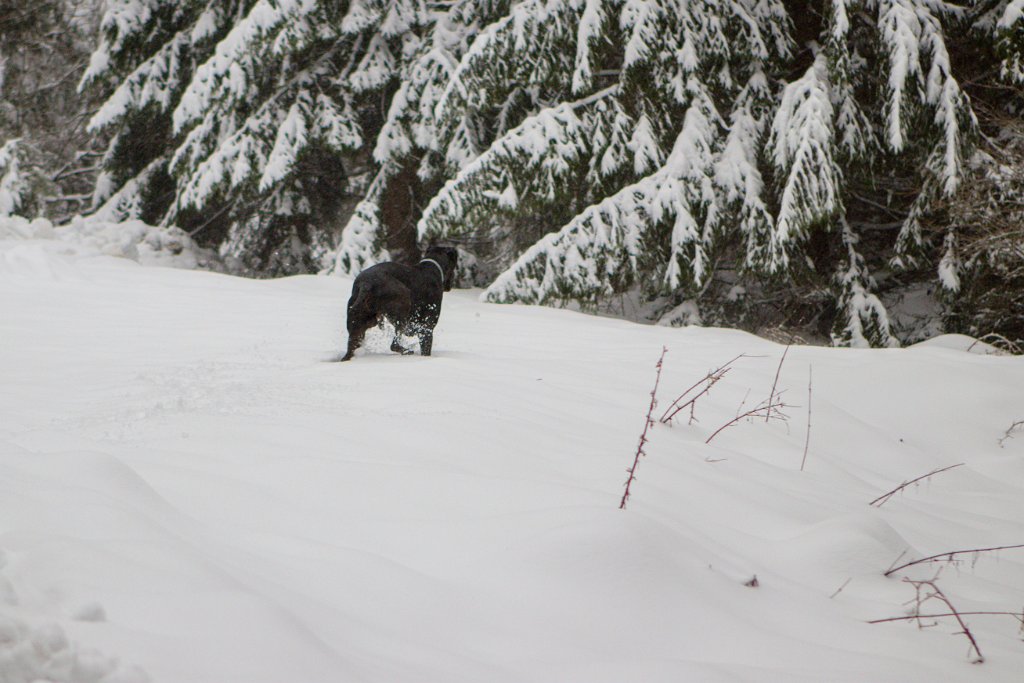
[
  {"x": 648, "y": 423},
  {"x": 882, "y": 499}
]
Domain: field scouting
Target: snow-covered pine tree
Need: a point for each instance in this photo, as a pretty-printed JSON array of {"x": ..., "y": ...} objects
[
  {"x": 406, "y": 154},
  {"x": 147, "y": 53},
  {"x": 14, "y": 188},
  {"x": 613, "y": 177},
  {"x": 861, "y": 317},
  {"x": 257, "y": 114},
  {"x": 1002, "y": 21},
  {"x": 43, "y": 47},
  {"x": 659, "y": 144}
]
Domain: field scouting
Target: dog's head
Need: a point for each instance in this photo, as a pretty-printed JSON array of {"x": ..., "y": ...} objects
[{"x": 448, "y": 257}]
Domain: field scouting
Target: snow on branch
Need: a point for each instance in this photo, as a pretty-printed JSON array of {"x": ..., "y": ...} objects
[
  {"x": 494, "y": 62},
  {"x": 362, "y": 239},
  {"x": 153, "y": 81},
  {"x": 13, "y": 186},
  {"x": 1010, "y": 37},
  {"x": 539, "y": 152},
  {"x": 227, "y": 72},
  {"x": 912, "y": 37},
  {"x": 862, "y": 319},
  {"x": 599, "y": 252},
  {"x": 801, "y": 148},
  {"x": 736, "y": 171}
]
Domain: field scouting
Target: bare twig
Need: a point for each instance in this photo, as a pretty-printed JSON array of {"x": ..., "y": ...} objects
[
  {"x": 1001, "y": 344},
  {"x": 1010, "y": 430},
  {"x": 708, "y": 380},
  {"x": 933, "y": 591},
  {"x": 948, "y": 556},
  {"x": 772, "y": 410},
  {"x": 648, "y": 423},
  {"x": 840, "y": 589},
  {"x": 882, "y": 499},
  {"x": 807, "y": 441},
  {"x": 1019, "y": 616},
  {"x": 898, "y": 558},
  {"x": 778, "y": 370}
]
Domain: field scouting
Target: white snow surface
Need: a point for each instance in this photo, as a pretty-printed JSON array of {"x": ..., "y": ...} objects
[{"x": 188, "y": 492}]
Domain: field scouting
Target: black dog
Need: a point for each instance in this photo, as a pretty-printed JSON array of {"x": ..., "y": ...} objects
[{"x": 409, "y": 297}]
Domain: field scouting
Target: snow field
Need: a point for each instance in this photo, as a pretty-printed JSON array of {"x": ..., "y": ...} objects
[{"x": 188, "y": 490}]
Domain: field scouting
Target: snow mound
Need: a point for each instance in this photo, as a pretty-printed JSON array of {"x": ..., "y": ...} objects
[
  {"x": 962, "y": 342},
  {"x": 40, "y": 650},
  {"x": 132, "y": 239},
  {"x": 30, "y": 654}
]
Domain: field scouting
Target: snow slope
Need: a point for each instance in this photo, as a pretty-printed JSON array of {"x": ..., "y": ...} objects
[{"x": 189, "y": 493}]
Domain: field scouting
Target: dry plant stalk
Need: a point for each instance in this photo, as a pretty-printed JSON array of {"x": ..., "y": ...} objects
[
  {"x": 708, "y": 381},
  {"x": 767, "y": 408},
  {"x": 927, "y": 590},
  {"x": 1010, "y": 430},
  {"x": 778, "y": 371},
  {"x": 948, "y": 556},
  {"x": 648, "y": 423},
  {"x": 1019, "y": 616},
  {"x": 807, "y": 441},
  {"x": 1002, "y": 345},
  {"x": 883, "y": 499}
]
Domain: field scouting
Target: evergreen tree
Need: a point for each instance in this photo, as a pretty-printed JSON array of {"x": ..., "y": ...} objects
[
  {"x": 14, "y": 189},
  {"x": 1003, "y": 22},
  {"x": 44, "y": 44},
  {"x": 257, "y": 114},
  {"x": 691, "y": 154},
  {"x": 733, "y": 162},
  {"x": 628, "y": 161},
  {"x": 406, "y": 151}
]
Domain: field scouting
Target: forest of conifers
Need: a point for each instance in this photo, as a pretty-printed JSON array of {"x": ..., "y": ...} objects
[{"x": 848, "y": 172}]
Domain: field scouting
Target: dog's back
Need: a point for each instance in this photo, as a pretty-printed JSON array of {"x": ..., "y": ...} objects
[
  {"x": 407, "y": 296},
  {"x": 380, "y": 291}
]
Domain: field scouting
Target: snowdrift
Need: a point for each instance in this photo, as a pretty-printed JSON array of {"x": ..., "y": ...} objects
[{"x": 188, "y": 492}]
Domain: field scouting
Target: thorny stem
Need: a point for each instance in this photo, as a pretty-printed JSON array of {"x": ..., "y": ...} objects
[
  {"x": 711, "y": 378},
  {"x": 1019, "y": 616},
  {"x": 840, "y": 589},
  {"x": 764, "y": 408},
  {"x": 884, "y": 498},
  {"x": 937, "y": 593},
  {"x": 948, "y": 556},
  {"x": 1009, "y": 431},
  {"x": 778, "y": 371},
  {"x": 807, "y": 441},
  {"x": 648, "y": 423}
]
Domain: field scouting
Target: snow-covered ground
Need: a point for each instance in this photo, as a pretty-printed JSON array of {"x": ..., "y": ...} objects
[{"x": 189, "y": 493}]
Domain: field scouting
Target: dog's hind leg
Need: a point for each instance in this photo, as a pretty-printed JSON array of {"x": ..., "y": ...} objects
[
  {"x": 397, "y": 312},
  {"x": 357, "y": 327},
  {"x": 355, "y": 340},
  {"x": 426, "y": 341}
]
